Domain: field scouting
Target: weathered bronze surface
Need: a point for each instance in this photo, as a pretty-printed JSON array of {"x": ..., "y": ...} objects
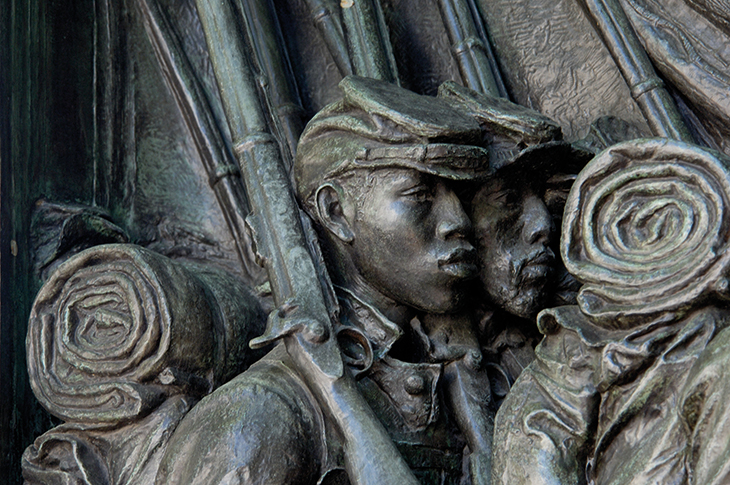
[
  {"x": 225, "y": 296},
  {"x": 628, "y": 385}
]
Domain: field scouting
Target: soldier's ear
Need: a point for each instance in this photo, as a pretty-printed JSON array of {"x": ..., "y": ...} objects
[{"x": 331, "y": 213}]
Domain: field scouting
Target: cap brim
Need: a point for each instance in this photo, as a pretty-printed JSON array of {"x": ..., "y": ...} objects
[
  {"x": 549, "y": 158},
  {"x": 451, "y": 161}
]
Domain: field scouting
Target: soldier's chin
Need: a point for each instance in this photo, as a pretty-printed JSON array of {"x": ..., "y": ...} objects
[
  {"x": 526, "y": 304},
  {"x": 446, "y": 301}
]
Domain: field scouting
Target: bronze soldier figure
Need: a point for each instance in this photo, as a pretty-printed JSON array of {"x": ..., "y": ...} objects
[
  {"x": 627, "y": 386},
  {"x": 375, "y": 171},
  {"x": 514, "y": 214}
]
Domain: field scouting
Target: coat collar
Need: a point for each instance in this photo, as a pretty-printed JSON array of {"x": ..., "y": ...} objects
[{"x": 381, "y": 332}]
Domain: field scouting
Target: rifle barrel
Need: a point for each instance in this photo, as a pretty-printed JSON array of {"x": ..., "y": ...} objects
[
  {"x": 471, "y": 47},
  {"x": 194, "y": 104},
  {"x": 275, "y": 220},
  {"x": 303, "y": 319},
  {"x": 265, "y": 32},
  {"x": 332, "y": 34},
  {"x": 646, "y": 86},
  {"x": 368, "y": 41}
]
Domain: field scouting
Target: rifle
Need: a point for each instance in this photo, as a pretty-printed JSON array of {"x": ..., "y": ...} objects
[
  {"x": 471, "y": 47},
  {"x": 194, "y": 104},
  {"x": 646, "y": 87},
  {"x": 304, "y": 320},
  {"x": 332, "y": 34},
  {"x": 363, "y": 46},
  {"x": 367, "y": 40},
  {"x": 263, "y": 25}
]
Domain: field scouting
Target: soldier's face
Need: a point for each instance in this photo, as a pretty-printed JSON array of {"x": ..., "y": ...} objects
[
  {"x": 410, "y": 240},
  {"x": 512, "y": 230}
]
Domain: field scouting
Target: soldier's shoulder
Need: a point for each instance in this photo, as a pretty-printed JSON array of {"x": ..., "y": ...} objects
[{"x": 263, "y": 424}]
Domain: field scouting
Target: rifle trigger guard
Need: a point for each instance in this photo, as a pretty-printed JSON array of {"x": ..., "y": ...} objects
[{"x": 357, "y": 352}]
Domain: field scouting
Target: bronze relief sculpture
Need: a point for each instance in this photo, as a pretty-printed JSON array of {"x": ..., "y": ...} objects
[
  {"x": 627, "y": 386},
  {"x": 411, "y": 289},
  {"x": 374, "y": 171}
]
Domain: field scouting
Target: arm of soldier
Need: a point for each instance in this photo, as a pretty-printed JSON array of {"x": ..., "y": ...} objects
[
  {"x": 261, "y": 428},
  {"x": 705, "y": 411},
  {"x": 543, "y": 428}
]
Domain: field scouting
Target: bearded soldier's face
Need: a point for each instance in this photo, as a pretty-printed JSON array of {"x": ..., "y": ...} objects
[{"x": 513, "y": 230}]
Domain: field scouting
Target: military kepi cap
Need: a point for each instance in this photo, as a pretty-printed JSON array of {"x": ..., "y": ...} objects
[
  {"x": 518, "y": 138},
  {"x": 380, "y": 125}
]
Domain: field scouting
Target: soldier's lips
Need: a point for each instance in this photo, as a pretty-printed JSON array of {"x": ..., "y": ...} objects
[
  {"x": 460, "y": 263},
  {"x": 538, "y": 266}
]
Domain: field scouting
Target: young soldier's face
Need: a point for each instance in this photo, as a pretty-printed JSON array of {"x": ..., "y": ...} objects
[
  {"x": 512, "y": 230},
  {"x": 410, "y": 240}
]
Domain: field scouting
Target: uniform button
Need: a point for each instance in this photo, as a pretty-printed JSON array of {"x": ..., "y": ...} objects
[{"x": 415, "y": 385}]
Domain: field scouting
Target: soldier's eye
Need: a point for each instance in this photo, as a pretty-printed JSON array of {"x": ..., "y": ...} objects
[
  {"x": 506, "y": 197},
  {"x": 419, "y": 193}
]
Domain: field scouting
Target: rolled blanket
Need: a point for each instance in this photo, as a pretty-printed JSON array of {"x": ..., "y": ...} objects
[
  {"x": 117, "y": 329},
  {"x": 646, "y": 230}
]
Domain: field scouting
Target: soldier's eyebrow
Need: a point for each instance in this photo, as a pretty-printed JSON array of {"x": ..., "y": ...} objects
[
  {"x": 404, "y": 178},
  {"x": 488, "y": 188}
]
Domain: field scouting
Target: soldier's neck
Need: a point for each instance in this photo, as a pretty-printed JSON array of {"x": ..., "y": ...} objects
[
  {"x": 397, "y": 313},
  {"x": 344, "y": 273}
]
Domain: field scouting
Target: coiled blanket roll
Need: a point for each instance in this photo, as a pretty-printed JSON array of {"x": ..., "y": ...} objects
[
  {"x": 118, "y": 328},
  {"x": 647, "y": 230}
]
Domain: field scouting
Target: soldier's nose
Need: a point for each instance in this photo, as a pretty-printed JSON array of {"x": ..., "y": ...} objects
[
  {"x": 453, "y": 221},
  {"x": 537, "y": 223}
]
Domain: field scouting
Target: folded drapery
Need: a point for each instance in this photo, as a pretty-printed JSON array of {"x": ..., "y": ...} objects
[{"x": 118, "y": 328}]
